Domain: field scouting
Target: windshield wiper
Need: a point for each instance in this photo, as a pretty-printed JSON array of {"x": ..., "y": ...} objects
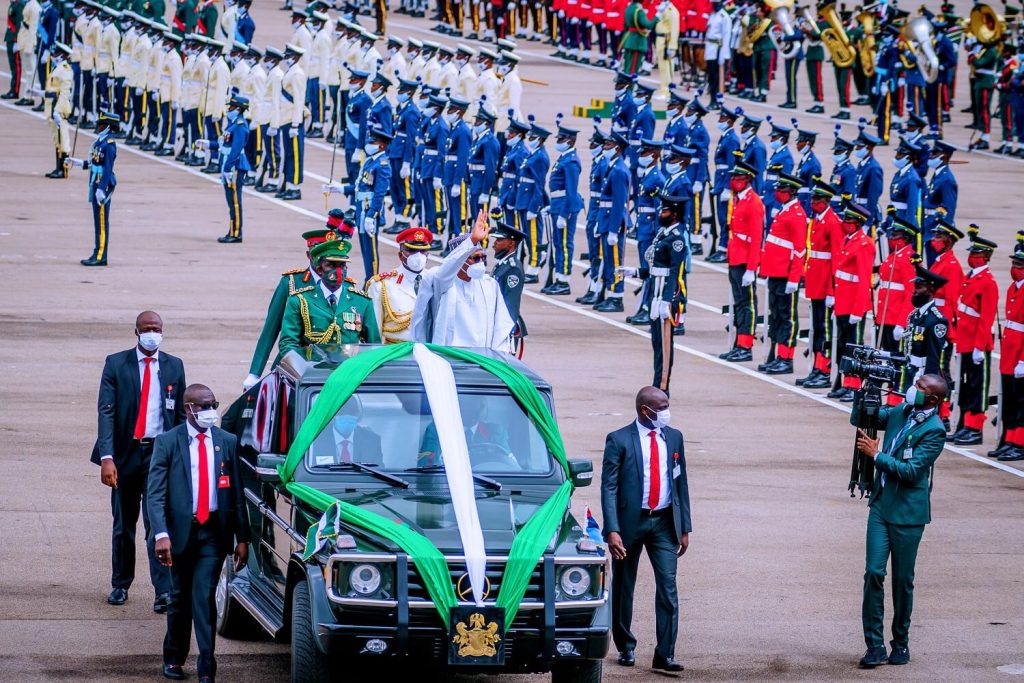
[
  {"x": 479, "y": 478},
  {"x": 383, "y": 476}
]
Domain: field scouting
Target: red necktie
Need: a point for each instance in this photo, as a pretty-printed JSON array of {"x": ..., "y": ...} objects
[
  {"x": 346, "y": 456},
  {"x": 655, "y": 495},
  {"x": 140, "y": 421},
  {"x": 203, "y": 490}
]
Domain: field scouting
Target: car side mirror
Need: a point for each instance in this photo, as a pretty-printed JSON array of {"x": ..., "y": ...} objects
[
  {"x": 581, "y": 472},
  {"x": 266, "y": 467}
]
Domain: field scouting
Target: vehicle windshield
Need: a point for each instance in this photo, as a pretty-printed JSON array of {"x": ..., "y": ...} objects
[{"x": 394, "y": 430}]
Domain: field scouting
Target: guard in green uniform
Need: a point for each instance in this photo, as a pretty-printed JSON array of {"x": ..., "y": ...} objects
[
  {"x": 335, "y": 311},
  {"x": 986, "y": 64},
  {"x": 900, "y": 508},
  {"x": 763, "y": 49},
  {"x": 815, "y": 62},
  {"x": 634, "y": 37},
  {"x": 15, "y": 11}
]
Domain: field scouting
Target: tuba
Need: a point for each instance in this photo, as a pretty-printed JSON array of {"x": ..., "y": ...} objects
[
  {"x": 835, "y": 38},
  {"x": 986, "y": 25},
  {"x": 918, "y": 35},
  {"x": 868, "y": 52},
  {"x": 782, "y": 16}
]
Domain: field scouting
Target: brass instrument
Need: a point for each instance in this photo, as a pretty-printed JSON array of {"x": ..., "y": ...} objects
[
  {"x": 807, "y": 18},
  {"x": 782, "y": 16},
  {"x": 835, "y": 38},
  {"x": 918, "y": 36},
  {"x": 987, "y": 25},
  {"x": 868, "y": 52},
  {"x": 751, "y": 34}
]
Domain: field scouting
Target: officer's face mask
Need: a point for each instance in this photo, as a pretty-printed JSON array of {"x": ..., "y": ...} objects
[
  {"x": 596, "y": 150},
  {"x": 402, "y": 97},
  {"x": 819, "y": 205},
  {"x": 934, "y": 162},
  {"x": 333, "y": 275},
  {"x": 900, "y": 162},
  {"x": 782, "y": 196},
  {"x": 747, "y": 135},
  {"x": 690, "y": 119},
  {"x": 860, "y": 152},
  {"x": 150, "y": 340},
  {"x": 723, "y": 125},
  {"x": 233, "y": 115},
  {"x": 421, "y": 102},
  {"x": 619, "y": 92},
  {"x": 451, "y": 117},
  {"x": 916, "y": 397},
  {"x": 344, "y": 425},
  {"x": 416, "y": 262},
  {"x": 938, "y": 246},
  {"x": 838, "y": 158},
  {"x": 737, "y": 184},
  {"x": 430, "y": 111},
  {"x": 479, "y": 128},
  {"x": 371, "y": 148},
  {"x": 562, "y": 146},
  {"x": 976, "y": 260},
  {"x": 673, "y": 167},
  {"x": 502, "y": 69},
  {"x": 645, "y": 161},
  {"x": 776, "y": 144},
  {"x": 392, "y": 51},
  {"x": 1017, "y": 273},
  {"x": 609, "y": 152},
  {"x": 850, "y": 227},
  {"x": 659, "y": 418},
  {"x": 532, "y": 144},
  {"x": 354, "y": 87}
]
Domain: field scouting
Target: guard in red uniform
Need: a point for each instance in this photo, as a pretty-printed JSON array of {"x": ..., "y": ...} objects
[
  {"x": 979, "y": 300},
  {"x": 826, "y": 236},
  {"x": 782, "y": 263},
  {"x": 895, "y": 285},
  {"x": 853, "y": 266},
  {"x": 947, "y": 265},
  {"x": 744, "y": 256},
  {"x": 1011, "y": 362}
]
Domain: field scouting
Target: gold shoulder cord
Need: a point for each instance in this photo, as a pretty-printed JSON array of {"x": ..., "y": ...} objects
[
  {"x": 393, "y": 322},
  {"x": 307, "y": 327}
]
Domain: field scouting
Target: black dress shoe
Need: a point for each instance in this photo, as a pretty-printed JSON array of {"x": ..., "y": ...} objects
[
  {"x": 780, "y": 367},
  {"x": 873, "y": 657},
  {"x": 558, "y": 289},
  {"x": 822, "y": 381},
  {"x": 740, "y": 355},
  {"x": 206, "y": 679},
  {"x": 315, "y": 134},
  {"x": 995, "y": 453},
  {"x": 842, "y": 116},
  {"x": 679, "y": 330},
  {"x": 979, "y": 145},
  {"x": 588, "y": 299},
  {"x": 39, "y": 107},
  {"x": 847, "y": 397},
  {"x": 1013, "y": 455},
  {"x": 118, "y": 596},
  {"x": 57, "y": 173},
  {"x": 8, "y": 96},
  {"x": 970, "y": 437},
  {"x": 641, "y": 317},
  {"x": 165, "y": 152},
  {"x": 436, "y": 245},
  {"x": 248, "y": 181},
  {"x": 787, "y": 105},
  {"x": 718, "y": 256},
  {"x": 837, "y": 392},
  {"x": 266, "y": 188},
  {"x": 93, "y": 261},
  {"x": 530, "y": 279},
  {"x": 627, "y": 658},
  {"x": 956, "y": 435},
  {"x": 394, "y": 229},
  {"x": 229, "y": 239},
  {"x": 174, "y": 672},
  {"x": 816, "y": 109},
  {"x": 291, "y": 195},
  {"x": 24, "y": 102},
  {"x": 161, "y": 603},
  {"x": 212, "y": 167},
  {"x": 800, "y": 381},
  {"x": 697, "y": 249},
  {"x": 666, "y": 664},
  {"x": 899, "y": 656},
  {"x": 610, "y": 305}
]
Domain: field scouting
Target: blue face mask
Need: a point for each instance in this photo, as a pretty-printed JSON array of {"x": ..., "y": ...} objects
[
  {"x": 562, "y": 146},
  {"x": 860, "y": 152},
  {"x": 645, "y": 161},
  {"x": 619, "y": 92},
  {"x": 371, "y": 148},
  {"x": 639, "y": 101},
  {"x": 479, "y": 128},
  {"x": 776, "y": 144},
  {"x": 934, "y": 162},
  {"x": 532, "y": 144},
  {"x": 596, "y": 152},
  {"x": 344, "y": 425},
  {"x": 838, "y": 158},
  {"x": 723, "y": 126},
  {"x": 673, "y": 168},
  {"x": 609, "y": 153},
  {"x": 233, "y": 115},
  {"x": 690, "y": 119},
  {"x": 402, "y": 97},
  {"x": 900, "y": 162}
]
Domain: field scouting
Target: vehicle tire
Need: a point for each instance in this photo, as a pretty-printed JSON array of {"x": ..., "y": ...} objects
[
  {"x": 308, "y": 664},
  {"x": 588, "y": 671},
  {"x": 233, "y": 620}
]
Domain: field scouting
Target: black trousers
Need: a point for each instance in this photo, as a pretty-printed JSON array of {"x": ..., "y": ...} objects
[
  {"x": 974, "y": 383},
  {"x": 714, "y": 78},
  {"x": 14, "y": 64},
  {"x": 657, "y": 536},
  {"x": 194, "y": 574},
  {"x": 783, "y": 325},
  {"x": 887, "y": 340},
  {"x": 657, "y": 343},
  {"x": 1013, "y": 402},
  {"x": 848, "y": 333},
  {"x": 821, "y": 327},
  {"x": 744, "y": 306},
  {"x": 126, "y": 501}
]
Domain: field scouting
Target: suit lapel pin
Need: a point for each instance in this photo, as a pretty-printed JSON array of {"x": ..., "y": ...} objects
[{"x": 216, "y": 448}]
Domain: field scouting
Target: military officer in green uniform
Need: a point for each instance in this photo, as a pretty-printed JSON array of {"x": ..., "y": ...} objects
[
  {"x": 815, "y": 59},
  {"x": 15, "y": 12},
  {"x": 335, "y": 311},
  {"x": 634, "y": 37},
  {"x": 763, "y": 49},
  {"x": 900, "y": 508}
]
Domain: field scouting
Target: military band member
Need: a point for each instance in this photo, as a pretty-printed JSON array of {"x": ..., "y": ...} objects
[
  {"x": 1011, "y": 363},
  {"x": 976, "y": 313},
  {"x": 508, "y": 273},
  {"x": 293, "y": 90},
  {"x": 612, "y": 223},
  {"x": 667, "y": 266},
  {"x": 370, "y": 190},
  {"x": 102, "y": 182},
  {"x": 984, "y": 60},
  {"x": 333, "y": 312},
  {"x": 530, "y": 197},
  {"x": 853, "y": 265},
  {"x": 234, "y": 165},
  {"x": 394, "y": 292},
  {"x": 566, "y": 204},
  {"x": 895, "y": 281},
  {"x": 57, "y": 98},
  {"x": 826, "y": 235},
  {"x": 746, "y": 228}
]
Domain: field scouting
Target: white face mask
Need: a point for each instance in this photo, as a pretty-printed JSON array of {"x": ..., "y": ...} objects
[
  {"x": 371, "y": 148},
  {"x": 532, "y": 144},
  {"x": 723, "y": 126},
  {"x": 416, "y": 262},
  {"x": 838, "y": 158},
  {"x": 690, "y": 119},
  {"x": 900, "y": 162},
  {"x": 451, "y": 118},
  {"x": 479, "y": 128},
  {"x": 619, "y": 92},
  {"x": 150, "y": 340},
  {"x": 934, "y": 162},
  {"x": 402, "y": 97},
  {"x": 596, "y": 152},
  {"x": 860, "y": 152},
  {"x": 422, "y": 103},
  {"x": 392, "y": 52},
  {"x": 748, "y": 135},
  {"x": 661, "y": 418},
  {"x": 609, "y": 153},
  {"x": 673, "y": 168},
  {"x": 353, "y": 88},
  {"x": 561, "y": 146},
  {"x": 776, "y": 144},
  {"x": 430, "y": 111},
  {"x": 645, "y": 161},
  {"x": 206, "y": 418},
  {"x": 476, "y": 270}
]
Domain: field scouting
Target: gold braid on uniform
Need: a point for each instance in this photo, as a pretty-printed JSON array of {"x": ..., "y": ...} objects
[
  {"x": 292, "y": 289},
  {"x": 394, "y": 322},
  {"x": 307, "y": 328}
]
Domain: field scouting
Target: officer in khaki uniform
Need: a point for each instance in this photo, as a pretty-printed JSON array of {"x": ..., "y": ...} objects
[
  {"x": 57, "y": 99},
  {"x": 900, "y": 508},
  {"x": 333, "y": 312},
  {"x": 394, "y": 293}
]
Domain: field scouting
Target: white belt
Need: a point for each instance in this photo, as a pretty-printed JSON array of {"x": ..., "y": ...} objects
[
  {"x": 786, "y": 244},
  {"x": 526, "y": 180},
  {"x": 967, "y": 310},
  {"x": 476, "y": 167},
  {"x": 861, "y": 200},
  {"x": 165, "y": 77},
  {"x": 894, "y": 286},
  {"x": 917, "y": 361},
  {"x": 929, "y": 212},
  {"x": 984, "y": 72},
  {"x": 508, "y": 176},
  {"x": 900, "y": 205},
  {"x": 660, "y": 272},
  {"x": 823, "y": 255},
  {"x": 940, "y": 302},
  {"x": 848, "y": 277},
  {"x": 646, "y": 209},
  {"x": 1015, "y": 326},
  {"x": 771, "y": 176},
  {"x": 556, "y": 194},
  {"x": 89, "y": 48},
  {"x": 741, "y": 237},
  {"x": 604, "y": 205},
  {"x": 451, "y": 157},
  {"x": 104, "y": 54},
  {"x": 430, "y": 152}
]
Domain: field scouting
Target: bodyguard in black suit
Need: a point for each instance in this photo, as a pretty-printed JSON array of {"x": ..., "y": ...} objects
[
  {"x": 197, "y": 510},
  {"x": 646, "y": 505},
  {"x": 129, "y": 420}
]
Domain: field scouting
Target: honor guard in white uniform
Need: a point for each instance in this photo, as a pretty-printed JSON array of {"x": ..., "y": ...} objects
[
  {"x": 449, "y": 77},
  {"x": 466, "y": 87},
  {"x": 369, "y": 59},
  {"x": 511, "y": 93},
  {"x": 57, "y": 101},
  {"x": 108, "y": 49},
  {"x": 171, "y": 69},
  {"x": 215, "y": 103},
  {"x": 431, "y": 75},
  {"x": 415, "y": 59},
  {"x": 396, "y": 67},
  {"x": 293, "y": 88},
  {"x": 394, "y": 293},
  {"x": 488, "y": 85},
  {"x": 271, "y": 116}
]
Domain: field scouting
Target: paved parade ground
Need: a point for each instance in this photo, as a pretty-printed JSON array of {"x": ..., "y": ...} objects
[{"x": 771, "y": 585}]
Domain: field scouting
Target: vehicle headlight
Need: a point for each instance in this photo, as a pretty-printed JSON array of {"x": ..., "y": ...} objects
[
  {"x": 365, "y": 579},
  {"x": 575, "y": 581}
]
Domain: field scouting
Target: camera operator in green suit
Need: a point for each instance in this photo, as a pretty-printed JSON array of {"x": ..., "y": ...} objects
[{"x": 899, "y": 510}]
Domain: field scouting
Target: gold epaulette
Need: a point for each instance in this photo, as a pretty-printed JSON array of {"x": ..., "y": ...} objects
[
  {"x": 294, "y": 271},
  {"x": 350, "y": 280},
  {"x": 361, "y": 293}
]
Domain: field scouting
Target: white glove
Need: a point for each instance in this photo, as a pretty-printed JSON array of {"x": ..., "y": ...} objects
[
  {"x": 56, "y": 118},
  {"x": 333, "y": 188},
  {"x": 293, "y": 132},
  {"x": 437, "y": 183},
  {"x": 271, "y": 132},
  {"x": 898, "y": 332},
  {"x": 253, "y": 125},
  {"x": 664, "y": 310},
  {"x": 72, "y": 161},
  {"x": 978, "y": 356},
  {"x": 1018, "y": 369},
  {"x": 830, "y": 301},
  {"x": 698, "y": 188},
  {"x": 250, "y": 381},
  {"x": 100, "y": 196},
  {"x": 854, "y": 319},
  {"x": 405, "y": 171},
  {"x": 627, "y": 271},
  {"x": 748, "y": 278},
  {"x": 176, "y": 106},
  {"x": 792, "y": 287},
  {"x": 228, "y": 177},
  {"x": 369, "y": 226},
  {"x": 613, "y": 239},
  {"x": 530, "y": 215},
  {"x": 671, "y": 54},
  {"x": 726, "y": 195},
  {"x": 561, "y": 223},
  {"x": 456, "y": 190},
  {"x": 201, "y": 144}
]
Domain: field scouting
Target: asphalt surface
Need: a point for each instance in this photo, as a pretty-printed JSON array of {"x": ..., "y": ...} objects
[{"x": 770, "y": 587}]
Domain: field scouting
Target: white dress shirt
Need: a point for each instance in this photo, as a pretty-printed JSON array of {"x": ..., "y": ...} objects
[
  {"x": 325, "y": 290},
  {"x": 664, "y": 496},
  {"x": 193, "y": 452},
  {"x": 154, "y": 414}
]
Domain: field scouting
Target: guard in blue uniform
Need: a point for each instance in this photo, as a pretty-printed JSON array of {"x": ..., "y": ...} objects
[
  {"x": 612, "y": 222},
  {"x": 676, "y": 128},
  {"x": 647, "y": 204},
  {"x": 356, "y": 113},
  {"x": 915, "y": 130},
  {"x": 870, "y": 178},
  {"x": 755, "y": 155},
  {"x": 102, "y": 182},
  {"x": 456, "y": 166},
  {"x": 905, "y": 190},
  {"x": 698, "y": 140},
  {"x": 642, "y": 127},
  {"x": 678, "y": 183},
  {"x": 808, "y": 168},
  {"x": 508, "y": 273},
  {"x": 381, "y": 115},
  {"x": 370, "y": 191},
  {"x": 721, "y": 195},
  {"x": 941, "y": 196},
  {"x": 530, "y": 198},
  {"x": 401, "y": 151},
  {"x": 844, "y": 173},
  {"x": 781, "y": 161},
  {"x": 666, "y": 261},
  {"x": 234, "y": 164},
  {"x": 431, "y": 170},
  {"x": 623, "y": 108},
  {"x": 245, "y": 27},
  {"x": 515, "y": 134},
  {"x": 595, "y": 250},
  {"x": 566, "y": 204},
  {"x": 483, "y": 162}
]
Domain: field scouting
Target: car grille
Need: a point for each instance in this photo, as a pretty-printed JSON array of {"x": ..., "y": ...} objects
[{"x": 495, "y": 570}]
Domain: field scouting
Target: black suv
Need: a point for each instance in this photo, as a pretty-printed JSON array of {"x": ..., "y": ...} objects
[{"x": 360, "y": 600}]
